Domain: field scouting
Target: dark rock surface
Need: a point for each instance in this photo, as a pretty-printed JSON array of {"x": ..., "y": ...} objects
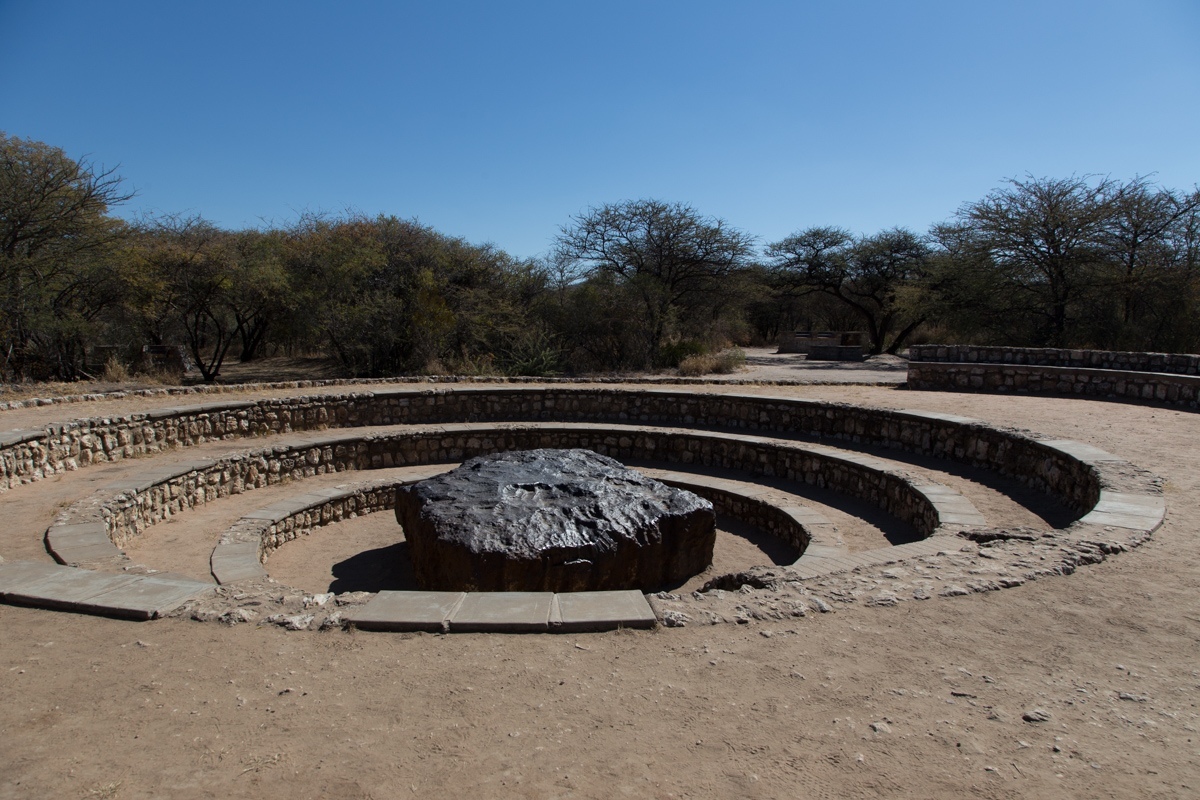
[{"x": 552, "y": 520}]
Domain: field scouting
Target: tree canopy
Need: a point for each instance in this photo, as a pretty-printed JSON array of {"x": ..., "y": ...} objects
[
  {"x": 1077, "y": 261},
  {"x": 667, "y": 255},
  {"x": 55, "y": 237}
]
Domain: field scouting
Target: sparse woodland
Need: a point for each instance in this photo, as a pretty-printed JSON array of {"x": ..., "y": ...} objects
[{"x": 642, "y": 284}]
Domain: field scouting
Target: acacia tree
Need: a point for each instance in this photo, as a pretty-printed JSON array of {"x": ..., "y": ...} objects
[
  {"x": 1045, "y": 236},
  {"x": 187, "y": 281},
  {"x": 667, "y": 255},
  {"x": 260, "y": 293},
  {"x": 875, "y": 277},
  {"x": 1142, "y": 237},
  {"x": 54, "y": 234}
]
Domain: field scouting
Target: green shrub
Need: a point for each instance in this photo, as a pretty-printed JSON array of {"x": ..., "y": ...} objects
[{"x": 675, "y": 353}]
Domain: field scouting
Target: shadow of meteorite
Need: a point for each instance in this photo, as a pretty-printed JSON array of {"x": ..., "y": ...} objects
[{"x": 382, "y": 569}]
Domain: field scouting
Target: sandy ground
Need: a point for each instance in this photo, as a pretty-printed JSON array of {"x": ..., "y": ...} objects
[{"x": 921, "y": 700}]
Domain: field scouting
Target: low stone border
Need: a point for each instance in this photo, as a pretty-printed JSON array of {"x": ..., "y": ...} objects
[
  {"x": 28, "y": 456},
  {"x": 242, "y": 550},
  {"x": 145, "y": 500},
  {"x": 1124, "y": 361},
  {"x": 974, "y": 561},
  {"x": 801, "y": 527},
  {"x": 224, "y": 388},
  {"x": 1179, "y": 390}
]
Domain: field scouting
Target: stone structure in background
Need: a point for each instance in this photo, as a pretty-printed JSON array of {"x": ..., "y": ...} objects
[
  {"x": 825, "y": 345},
  {"x": 555, "y": 521}
]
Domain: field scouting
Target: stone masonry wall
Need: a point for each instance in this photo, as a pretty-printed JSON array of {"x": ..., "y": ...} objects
[
  {"x": 1173, "y": 363},
  {"x": 370, "y": 499},
  {"x": 129, "y": 513},
  {"x": 33, "y": 455},
  {"x": 1179, "y": 390}
]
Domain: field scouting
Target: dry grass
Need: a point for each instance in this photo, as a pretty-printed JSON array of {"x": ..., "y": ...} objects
[{"x": 722, "y": 363}]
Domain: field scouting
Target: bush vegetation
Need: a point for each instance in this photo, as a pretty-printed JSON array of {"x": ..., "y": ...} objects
[
  {"x": 1078, "y": 261},
  {"x": 722, "y": 363}
]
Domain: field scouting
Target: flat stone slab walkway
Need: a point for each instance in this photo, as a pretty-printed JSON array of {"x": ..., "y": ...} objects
[
  {"x": 124, "y": 595},
  {"x": 505, "y": 612}
]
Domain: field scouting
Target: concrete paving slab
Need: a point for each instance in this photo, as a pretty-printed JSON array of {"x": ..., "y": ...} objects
[
  {"x": 192, "y": 465},
  {"x": 805, "y": 516},
  {"x": 331, "y": 493},
  {"x": 503, "y": 612},
  {"x": 236, "y": 561},
  {"x": 1131, "y": 503},
  {"x": 10, "y": 438},
  {"x": 285, "y": 508},
  {"x": 1084, "y": 452},
  {"x": 268, "y": 514},
  {"x": 1137, "y": 522},
  {"x": 603, "y": 611},
  {"x": 955, "y": 518},
  {"x": 67, "y": 588},
  {"x": 311, "y": 499},
  {"x": 930, "y": 546},
  {"x": 956, "y": 504},
  {"x": 79, "y": 533},
  {"x": 133, "y": 483},
  {"x": 938, "y": 490},
  {"x": 84, "y": 554},
  {"x": 936, "y": 415},
  {"x": 826, "y": 565},
  {"x": 145, "y": 598},
  {"x": 221, "y": 405},
  {"x": 807, "y": 570},
  {"x": 164, "y": 474},
  {"x": 408, "y": 611},
  {"x": 824, "y": 551},
  {"x": 17, "y": 575}
]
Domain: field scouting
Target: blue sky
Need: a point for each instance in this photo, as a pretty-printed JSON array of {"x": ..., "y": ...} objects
[{"x": 499, "y": 121}]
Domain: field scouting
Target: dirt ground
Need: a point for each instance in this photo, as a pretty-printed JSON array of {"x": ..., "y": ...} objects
[{"x": 925, "y": 699}]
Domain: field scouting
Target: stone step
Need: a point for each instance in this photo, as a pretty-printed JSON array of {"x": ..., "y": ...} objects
[
  {"x": 78, "y": 543},
  {"x": 139, "y": 597},
  {"x": 505, "y": 612}
]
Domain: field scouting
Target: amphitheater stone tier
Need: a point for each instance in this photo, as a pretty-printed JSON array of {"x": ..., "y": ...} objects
[
  {"x": 1154, "y": 377},
  {"x": 837, "y": 447}
]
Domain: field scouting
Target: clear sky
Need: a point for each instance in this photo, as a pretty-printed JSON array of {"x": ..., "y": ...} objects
[{"x": 498, "y": 121}]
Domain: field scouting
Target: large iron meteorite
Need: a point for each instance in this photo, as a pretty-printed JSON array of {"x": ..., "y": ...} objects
[{"x": 552, "y": 520}]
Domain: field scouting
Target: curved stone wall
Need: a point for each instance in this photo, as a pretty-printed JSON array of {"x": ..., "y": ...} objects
[
  {"x": 242, "y": 549},
  {"x": 1173, "y": 363},
  {"x": 26, "y": 456},
  {"x": 127, "y": 513},
  {"x": 1152, "y": 377},
  {"x": 754, "y": 434}
]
